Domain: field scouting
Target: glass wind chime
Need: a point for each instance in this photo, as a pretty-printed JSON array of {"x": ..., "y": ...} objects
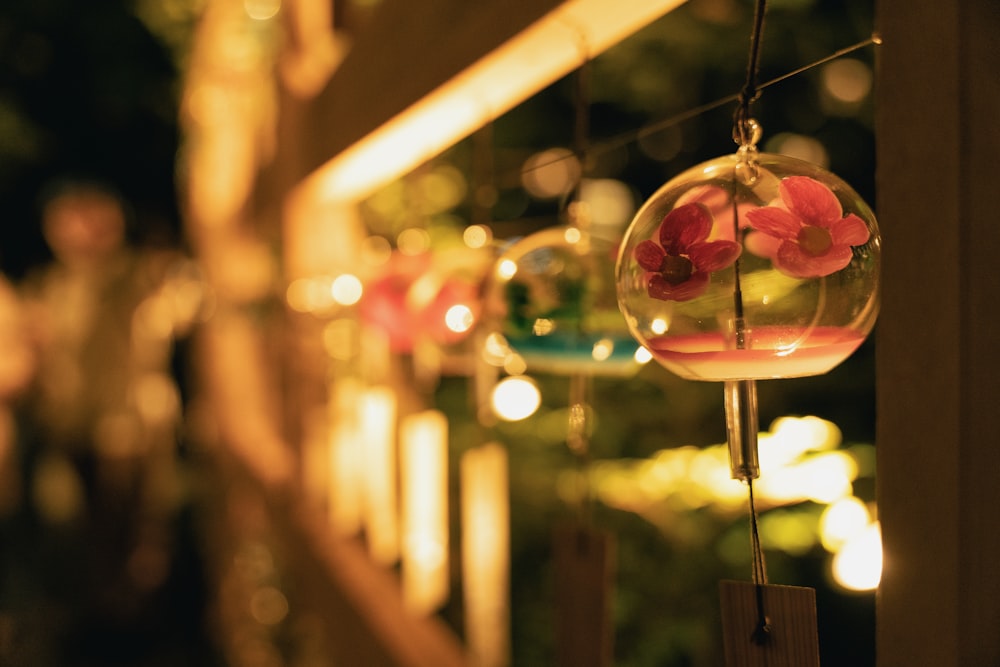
[
  {"x": 553, "y": 298},
  {"x": 752, "y": 266}
]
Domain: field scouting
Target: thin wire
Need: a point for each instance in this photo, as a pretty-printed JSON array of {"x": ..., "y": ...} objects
[{"x": 625, "y": 138}]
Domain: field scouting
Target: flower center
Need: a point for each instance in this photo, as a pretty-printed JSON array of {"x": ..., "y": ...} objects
[
  {"x": 814, "y": 240},
  {"x": 676, "y": 270}
]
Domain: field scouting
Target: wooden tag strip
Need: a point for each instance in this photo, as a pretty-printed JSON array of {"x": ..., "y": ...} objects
[
  {"x": 793, "y": 639},
  {"x": 583, "y": 560}
]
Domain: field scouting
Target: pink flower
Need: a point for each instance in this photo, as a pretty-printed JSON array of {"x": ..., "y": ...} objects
[
  {"x": 815, "y": 236},
  {"x": 681, "y": 262}
]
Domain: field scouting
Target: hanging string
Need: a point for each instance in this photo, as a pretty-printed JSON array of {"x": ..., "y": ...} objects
[
  {"x": 746, "y": 133},
  {"x": 762, "y": 631},
  {"x": 742, "y": 132}
]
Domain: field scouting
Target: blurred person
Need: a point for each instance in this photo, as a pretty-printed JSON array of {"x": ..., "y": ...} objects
[{"x": 101, "y": 415}]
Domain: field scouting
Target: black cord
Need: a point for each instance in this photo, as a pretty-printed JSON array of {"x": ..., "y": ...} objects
[
  {"x": 761, "y": 633},
  {"x": 744, "y": 134},
  {"x": 750, "y": 91}
]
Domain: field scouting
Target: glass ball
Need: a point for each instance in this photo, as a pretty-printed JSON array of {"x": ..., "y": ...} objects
[
  {"x": 751, "y": 267},
  {"x": 552, "y": 297}
]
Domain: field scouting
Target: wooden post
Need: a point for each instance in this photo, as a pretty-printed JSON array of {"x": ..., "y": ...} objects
[{"x": 938, "y": 364}]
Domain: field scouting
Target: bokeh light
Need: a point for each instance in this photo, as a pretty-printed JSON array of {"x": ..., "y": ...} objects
[
  {"x": 550, "y": 173},
  {"x": 346, "y": 289},
  {"x": 413, "y": 241},
  {"x": 516, "y": 398},
  {"x": 847, "y": 81},
  {"x": 858, "y": 566},
  {"x": 262, "y": 10},
  {"x": 477, "y": 236},
  {"x": 459, "y": 318}
]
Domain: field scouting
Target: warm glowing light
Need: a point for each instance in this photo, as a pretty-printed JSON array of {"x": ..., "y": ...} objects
[
  {"x": 441, "y": 189},
  {"x": 543, "y": 326},
  {"x": 841, "y": 521},
  {"x": 459, "y": 318},
  {"x": 346, "y": 289},
  {"x": 506, "y": 269},
  {"x": 156, "y": 398},
  {"x": 477, "y": 236},
  {"x": 550, "y": 173},
  {"x": 858, "y": 566},
  {"x": 643, "y": 356},
  {"x": 378, "y": 433},
  {"x": 261, "y": 10},
  {"x": 514, "y": 364},
  {"x": 424, "y": 488},
  {"x": 345, "y": 497},
  {"x": 413, "y": 241},
  {"x": 305, "y": 295},
  {"x": 572, "y": 235},
  {"x": 154, "y": 317},
  {"x": 268, "y": 605},
  {"x": 699, "y": 477},
  {"x": 658, "y": 326},
  {"x": 792, "y": 532},
  {"x": 847, "y": 80},
  {"x": 485, "y": 519},
  {"x": 516, "y": 398},
  {"x": 603, "y": 349},
  {"x": 537, "y": 55},
  {"x": 801, "y": 147},
  {"x": 610, "y": 203},
  {"x": 823, "y": 478},
  {"x": 422, "y": 292},
  {"x": 495, "y": 349},
  {"x": 790, "y": 437}
]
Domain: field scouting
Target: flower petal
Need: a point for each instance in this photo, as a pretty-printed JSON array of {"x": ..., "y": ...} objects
[
  {"x": 810, "y": 200},
  {"x": 851, "y": 230},
  {"x": 713, "y": 256},
  {"x": 793, "y": 261},
  {"x": 684, "y": 226},
  {"x": 659, "y": 288},
  {"x": 774, "y": 221},
  {"x": 649, "y": 255}
]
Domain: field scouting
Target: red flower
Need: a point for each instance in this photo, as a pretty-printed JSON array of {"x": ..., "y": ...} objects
[
  {"x": 815, "y": 237},
  {"x": 681, "y": 262}
]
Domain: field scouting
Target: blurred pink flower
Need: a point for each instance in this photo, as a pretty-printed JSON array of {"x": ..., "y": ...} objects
[
  {"x": 681, "y": 262},
  {"x": 815, "y": 237}
]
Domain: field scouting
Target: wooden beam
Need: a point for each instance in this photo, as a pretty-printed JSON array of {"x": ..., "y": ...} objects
[
  {"x": 423, "y": 75},
  {"x": 938, "y": 364}
]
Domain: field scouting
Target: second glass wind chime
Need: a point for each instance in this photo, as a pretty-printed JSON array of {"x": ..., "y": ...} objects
[{"x": 748, "y": 267}]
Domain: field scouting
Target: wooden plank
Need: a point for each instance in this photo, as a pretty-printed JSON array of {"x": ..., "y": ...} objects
[
  {"x": 792, "y": 637},
  {"x": 456, "y": 65},
  {"x": 407, "y": 50},
  {"x": 584, "y": 569}
]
